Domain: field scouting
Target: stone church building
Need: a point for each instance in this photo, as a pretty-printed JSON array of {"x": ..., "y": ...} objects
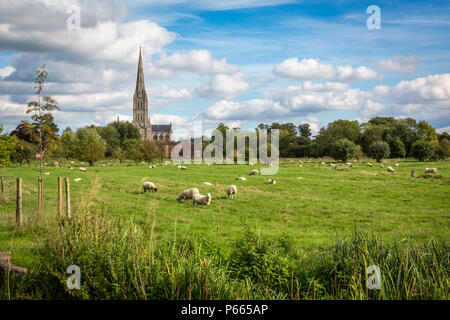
[{"x": 141, "y": 119}]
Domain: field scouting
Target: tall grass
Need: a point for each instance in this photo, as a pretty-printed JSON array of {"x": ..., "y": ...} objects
[{"x": 124, "y": 261}]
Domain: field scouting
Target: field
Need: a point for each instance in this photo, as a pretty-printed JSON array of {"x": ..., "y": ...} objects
[{"x": 309, "y": 213}]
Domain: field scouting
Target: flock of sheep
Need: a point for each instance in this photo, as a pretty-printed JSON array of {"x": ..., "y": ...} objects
[{"x": 194, "y": 194}]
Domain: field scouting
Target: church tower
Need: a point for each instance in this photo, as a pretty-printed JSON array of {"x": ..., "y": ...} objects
[{"x": 140, "y": 104}]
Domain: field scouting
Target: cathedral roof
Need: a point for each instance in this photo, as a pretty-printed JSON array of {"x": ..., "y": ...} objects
[{"x": 162, "y": 128}]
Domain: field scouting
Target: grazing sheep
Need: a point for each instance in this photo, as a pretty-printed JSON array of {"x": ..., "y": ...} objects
[
  {"x": 301, "y": 166},
  {"x": 77, "y": 179},
  {"x": 56, "y": 164},
  {"x": 369, "y": 164},
  {"x": 250, "y": 164},
  {"x": 207, "y": 183},
  {"x": 381, "y": 166},
  {"x": 430, "y": 170},
  {"x": 152, "y": 166},
  {"x": 47, "y": 173},
  {"x": 390, "y": 169},
  {"x": 241, "y": 179},
  {"x": 83, "y": 169},
  {"x": 349, "y": 164},
  {"x": 299, "y": 178},
  {"x": 254, "y": 172},
  {"x": 397, "y": 165},
  {"x": 72, "y": 162},
  {"x": 271, "y": 181},
  {"x": 103, "y": 165},
  {"x": 199, "y": 199},
  {"x": 149, "y": 186},
  {"x": 182, "y": 167},
  {"x": 187, "y": 194},
  {"x": 231, "y": 191},
  {"x": 70, "y": 168},
  {"x": 300, "y": 161}
]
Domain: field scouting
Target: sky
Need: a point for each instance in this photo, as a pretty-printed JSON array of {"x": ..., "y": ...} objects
[{"x": 241, "y": 62}]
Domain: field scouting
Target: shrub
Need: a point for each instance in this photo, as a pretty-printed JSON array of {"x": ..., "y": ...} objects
[
  {"x": 422, "y": 150},
  {"x": 343, "y": 149},
  {"x": 379, "y": 150}
]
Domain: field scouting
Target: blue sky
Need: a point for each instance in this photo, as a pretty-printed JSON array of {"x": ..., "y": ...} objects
[{"x": 241, "y": 62}]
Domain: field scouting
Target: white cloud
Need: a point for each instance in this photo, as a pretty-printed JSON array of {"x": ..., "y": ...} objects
[
  {"x": 198, "y": 61},
  {"x": 6, "y": 71},
  {"x": 398, "y": 64},
  {"x": 223, "y": 86},
  {"x": 305, "y": 69},
  {"x": 164, "y": 95},
  {"x": 312, "y": 69}
]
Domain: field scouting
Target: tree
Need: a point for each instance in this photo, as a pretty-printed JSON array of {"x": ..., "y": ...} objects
[
  {"x": 126, "y": 130},
  {"x": 23, "y": 152},
  {"x": 397, "y": 148},
  {"x": 132, "y": 149},
  {"x": 43, "y": 119},
  {"x": 69, "y": 144},
  {"x": 91, "y": 147},
  {"x": 7, "y": 145},
  {"x": 426, "y": 131},
  {"x": 379, "y": 150},
  {"x": 304, "y": 130},
  {"x": 343, "y": 149},
  {"x": 421, "y": 150},
  {"x": 111, "y": 137},
  {"x": 152, "y": 150}
]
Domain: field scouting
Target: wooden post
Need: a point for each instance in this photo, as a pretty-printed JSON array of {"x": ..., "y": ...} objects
[
  {"x": 40, "y": 191},
  {"x": 3, "y": 193},
  {"x": 60, "y": 197},
  {"x": 68, "y": 198},
  {"x": 19, "y": 203}
]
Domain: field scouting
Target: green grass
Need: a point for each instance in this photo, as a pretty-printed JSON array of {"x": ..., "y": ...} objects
[{"x": 310, "y": 213}]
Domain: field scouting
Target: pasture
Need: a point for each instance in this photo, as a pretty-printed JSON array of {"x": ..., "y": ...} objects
[{"x": 310, "y": 212}]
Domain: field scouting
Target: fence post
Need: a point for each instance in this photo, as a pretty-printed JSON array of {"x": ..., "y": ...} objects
[
  {"x": 68, "y": 197},
  {"x": 3, "y": 193},
  {"x": 19, "y": 203},
  {"x": 60, "y": 197},
  {"x": 40, "y": 191}
]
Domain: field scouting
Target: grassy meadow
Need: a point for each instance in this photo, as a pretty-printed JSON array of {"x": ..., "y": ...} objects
[{"x": 330, "y": 214}]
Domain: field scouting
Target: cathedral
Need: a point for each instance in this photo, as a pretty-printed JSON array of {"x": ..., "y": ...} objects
[{"x": 141, "y": 119}]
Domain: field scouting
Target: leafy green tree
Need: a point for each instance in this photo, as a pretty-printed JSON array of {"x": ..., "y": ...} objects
[
  {"x": 133, "y": 150},
  {"x": 111, "y": 137},
  {"x": 126, "y": 130},
  {"x": 304, "y": 130},
  {"x": 46, "y": 132},
  {"x": 397, "y": 148},
  {"x": 379, "y": 150},
  {"x": 23, "y": 152},
  {"x": 69, "y": 144},
  {"x": 91, "y": 147},
  {"x": 152, "y": 150},
  {"x": 441, "y": 148},
  {"x": 422, "y": 149},
  {"x": 343, "y": 149},
  {"x": 426, "y": 131},
  {"x": 7, "y": 146}
]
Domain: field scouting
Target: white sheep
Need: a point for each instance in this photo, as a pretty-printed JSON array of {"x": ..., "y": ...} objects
[
  {"x": 187, "y": 194},
  {"x": 254, "y": 172},
  {"x": 430, "y": 170},
  {"x": 199, "y": 199},
  {"x": 149, "y": 186},
  {"x": 369, "y": 164},
  {"x": 47, "y": 173},
  {"x": 271, "y": 181},
  {"x": 299, "y": 178},
  {"x": 152, "y": 166},
  {"x": 77, "y": 179},
  {"x": 349, "y": 164},
  {"x": 250, "y": 164},
  {"x": 182, "y": 167},
  {"x": 83, "y": 169},
  {"x": 381, "y": 166},
  {"x": 301, "y": 166},
  {"x": 231, "y": 191},
  {"x": 72, "y": 162},
  {"x": 397, "y": 165},
  {"x": 241, "y": 179},
  {"x": 390, "y": 169},
  {"x": 207, "y": 183}
]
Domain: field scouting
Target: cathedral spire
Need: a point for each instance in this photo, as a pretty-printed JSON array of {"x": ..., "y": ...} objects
[{"x": 140, "y": 86}]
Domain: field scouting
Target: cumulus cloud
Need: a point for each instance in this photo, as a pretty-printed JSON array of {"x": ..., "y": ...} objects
[
  {"x": 6, "y": 71},
  {"x": 313, "y": 69},
  {"x": 305, "y": 69},
  {"x": 163, "y": 95},
  {"x": 223, "y": 86},
  {"x": 199, "y": 61},
  {"x": 398, "y": 64}
]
